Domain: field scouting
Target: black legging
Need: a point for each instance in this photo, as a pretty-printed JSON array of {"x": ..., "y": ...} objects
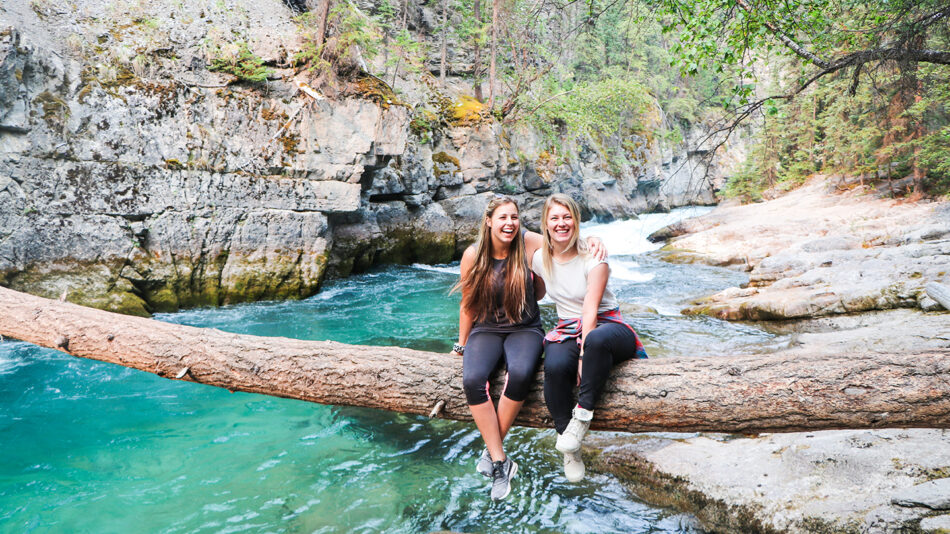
[
  {"x": 605, "y": 346},
  {"x": 521, "y": 350}
]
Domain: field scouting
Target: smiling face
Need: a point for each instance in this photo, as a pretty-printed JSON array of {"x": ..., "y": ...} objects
[
  {"x": 504, "y": 224},
  {"x": 560, "y": 225}
]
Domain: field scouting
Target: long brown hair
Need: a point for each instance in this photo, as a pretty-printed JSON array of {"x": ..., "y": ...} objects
[
  {"x": 477, "y": 295},
  {"x": 547, "y": 251}
]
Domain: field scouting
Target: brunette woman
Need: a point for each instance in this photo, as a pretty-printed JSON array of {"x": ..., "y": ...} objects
[
  {"x": 498, "y": 319},
  {"x": 591, "y": 336}
]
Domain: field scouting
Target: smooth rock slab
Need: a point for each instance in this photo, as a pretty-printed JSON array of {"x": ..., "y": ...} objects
[
  {"x": 934, "y": 495},
  {"x": 832, "y": 481},
  {"x": 936, "y": 525}
]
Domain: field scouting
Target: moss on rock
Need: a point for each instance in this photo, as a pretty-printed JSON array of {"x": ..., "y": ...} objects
[{"x": 93, "y": 284}]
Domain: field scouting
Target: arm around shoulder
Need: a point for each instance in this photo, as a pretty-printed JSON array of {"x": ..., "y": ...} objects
[{"x": 532, "y": 242}]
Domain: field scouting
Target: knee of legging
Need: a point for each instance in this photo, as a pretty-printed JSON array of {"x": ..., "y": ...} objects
[
  {"x": 519, "y": 384},
  {"x": 596, "y": 340},
  {"x": 476, "y": 389},
  {"x": 559, "y": 366}
]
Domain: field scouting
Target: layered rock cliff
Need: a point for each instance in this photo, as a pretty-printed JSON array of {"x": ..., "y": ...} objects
[{"x": 133, "y": 179}]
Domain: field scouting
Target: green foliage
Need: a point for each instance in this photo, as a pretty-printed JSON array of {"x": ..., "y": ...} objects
[
  {"x": 884, "y": 119},
  {"x": 423, "y": 124},
  {"x": 405, "y": 51},
  {"x": 352, "y": 28},
  {"x": 728, "y": 36},
  {"x": 469, "y": 30},
  {"x": 599, "y": 109},
  {"x": 873, "y": 133},
  {"x": 238, "y": 59},
  {"x": 623, "y": 46},
  {"x": 747, "y": 184},
  {"x": 371, "y": 34}
]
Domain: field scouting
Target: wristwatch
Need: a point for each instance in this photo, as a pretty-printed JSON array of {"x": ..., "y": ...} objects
[{"x": 460, "y": 349}]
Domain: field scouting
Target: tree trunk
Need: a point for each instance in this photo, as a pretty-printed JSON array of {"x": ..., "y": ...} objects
[
  {"x": 494, "y": 53},
  {"x": 477, "y": 69},
  {"x": 323, "y": 16},
  {"x": 445, "y": 30},
  {"x": 760, "y": 393}
]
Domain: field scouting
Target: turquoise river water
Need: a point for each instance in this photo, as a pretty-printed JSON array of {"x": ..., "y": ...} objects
[{"x": 93, "y": 447}]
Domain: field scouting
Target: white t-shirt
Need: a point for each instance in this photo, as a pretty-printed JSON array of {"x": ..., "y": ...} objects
[{"x": 568, "y": 286}]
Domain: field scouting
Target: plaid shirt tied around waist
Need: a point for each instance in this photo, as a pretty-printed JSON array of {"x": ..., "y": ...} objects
[{"x": 572, "y": 328}]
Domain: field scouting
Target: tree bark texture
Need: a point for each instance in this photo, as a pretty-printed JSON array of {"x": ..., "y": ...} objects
[
  {"x": 742, "y": 394},
  {"x": 323, "y": 17},
  {"x": 444, "y": 46},
  {"x": 477, "y": 69},
  {"x": 494, "y": 52}
]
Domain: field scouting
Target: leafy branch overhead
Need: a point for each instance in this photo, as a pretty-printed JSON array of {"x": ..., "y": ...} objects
[
  {"x": 827, "y": 35},
  {"x": 845, "y": 85}
]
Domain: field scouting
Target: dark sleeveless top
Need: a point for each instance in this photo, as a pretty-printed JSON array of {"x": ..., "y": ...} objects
[{"x": 495, "y": 320}]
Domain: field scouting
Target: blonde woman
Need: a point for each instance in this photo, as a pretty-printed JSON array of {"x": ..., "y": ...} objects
[{"x": 591, "y": 336}]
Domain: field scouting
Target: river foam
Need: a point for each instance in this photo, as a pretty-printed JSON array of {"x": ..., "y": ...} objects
[{"x": 629, "y": 236}]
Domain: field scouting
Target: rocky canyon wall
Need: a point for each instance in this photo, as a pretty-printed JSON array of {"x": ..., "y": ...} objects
[{"x": 134, "y": 179}]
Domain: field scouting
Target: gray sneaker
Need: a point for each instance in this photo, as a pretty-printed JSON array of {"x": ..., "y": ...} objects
[
  {"x": 502, "y": 473},
  {"x": 484, "y": 464}
]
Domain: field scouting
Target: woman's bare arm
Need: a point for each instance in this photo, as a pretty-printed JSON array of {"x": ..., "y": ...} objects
[
  {"x": 532, "y": 242},
  {"x": 539, "y": 288},
  {"x": 596, "y": 284}
]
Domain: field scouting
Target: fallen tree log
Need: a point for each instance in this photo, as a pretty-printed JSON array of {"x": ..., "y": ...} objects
[{"x": 743, "y": 394}]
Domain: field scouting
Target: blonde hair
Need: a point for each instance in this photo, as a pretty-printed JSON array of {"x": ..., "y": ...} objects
[
  {"x": 477, "y": 295},
  {"x": 547, "y": 250}
]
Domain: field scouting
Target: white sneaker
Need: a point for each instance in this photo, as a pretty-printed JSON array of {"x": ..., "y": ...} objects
[
  {"x": 570, "y": 440},
  {"x": 573, "y": 466}
]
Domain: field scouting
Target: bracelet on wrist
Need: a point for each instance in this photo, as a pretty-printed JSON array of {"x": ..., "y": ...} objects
[{"x": 460, "y": 349}]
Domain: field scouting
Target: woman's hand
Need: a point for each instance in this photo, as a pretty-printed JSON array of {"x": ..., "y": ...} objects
[
  {"x": 597, "y": 248},
  {"x": 580, "y": 366}
]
